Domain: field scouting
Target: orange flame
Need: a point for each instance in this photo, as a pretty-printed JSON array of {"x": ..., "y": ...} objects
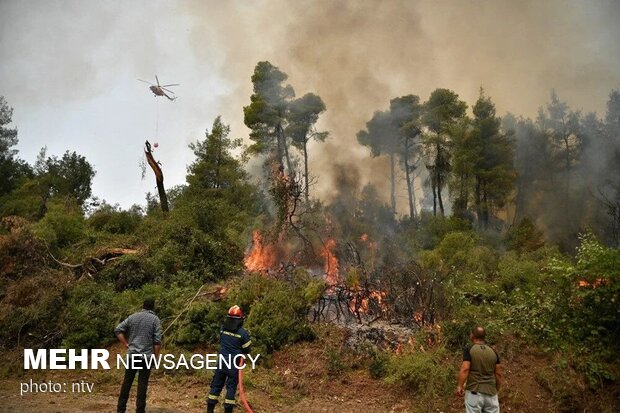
[
  {"x": 596, "y": 283},
  {"x": 332, "y": 274},
  {"x": 376, "y": 295},
  {"x": 261, "y": 256},
  {"x": 372, "y": 246}
]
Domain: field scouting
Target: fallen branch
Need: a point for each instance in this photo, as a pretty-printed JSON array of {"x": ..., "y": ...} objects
[{"x": 93, "y": 264}]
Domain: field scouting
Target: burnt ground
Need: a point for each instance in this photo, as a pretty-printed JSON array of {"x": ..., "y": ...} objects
[{"x": 298, "y": 380}]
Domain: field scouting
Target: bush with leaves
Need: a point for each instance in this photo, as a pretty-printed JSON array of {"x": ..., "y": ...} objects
[
  {"x": 130, "y": 271},
  {"x": 63, "y": 224},
  {"x": 278, "y": 309},
  {"x": 429, "y": 374},
  {"x": 31, "y": 308},
  {"x": 112, "y": 219},
  {"x": 91, "y": 313}
]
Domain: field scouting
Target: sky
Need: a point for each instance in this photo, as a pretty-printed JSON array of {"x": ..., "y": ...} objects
[{"x": 70, "y": 68}]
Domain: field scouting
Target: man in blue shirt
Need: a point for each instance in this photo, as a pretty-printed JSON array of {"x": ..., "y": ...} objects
[
  {"x": 234, "y": 340},
  {"x": 141, "y": 335}
]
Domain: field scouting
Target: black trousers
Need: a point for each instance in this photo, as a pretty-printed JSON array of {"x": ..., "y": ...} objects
[{"x": 143, "y": 384}]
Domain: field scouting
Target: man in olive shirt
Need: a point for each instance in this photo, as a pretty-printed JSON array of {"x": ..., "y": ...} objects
[{"x": 482, "y": 372}]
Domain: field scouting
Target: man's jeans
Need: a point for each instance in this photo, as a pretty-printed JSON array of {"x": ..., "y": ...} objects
[
  {"x": 143, "y": 383},
  {"x": 481, "y": 403}
]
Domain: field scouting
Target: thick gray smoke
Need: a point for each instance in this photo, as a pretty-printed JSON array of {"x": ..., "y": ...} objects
[
  {"x": 358, "y": 55},
  {"x": 63, "y": 61}
]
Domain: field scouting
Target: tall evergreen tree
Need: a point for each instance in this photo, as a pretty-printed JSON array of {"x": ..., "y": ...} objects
[
  {"x": 493, "y": 152},
  {"x": 381, "y": 136},
  {"x": 266, "y": 115},
  {"x": 12, "y": 169},
  {"x": 406, "y": 112},
  {"x": 303, "y": 115},
  {"x": 442, "y": 111}
]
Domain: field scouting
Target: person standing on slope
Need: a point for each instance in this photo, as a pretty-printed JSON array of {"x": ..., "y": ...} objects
[
  {"x": 482, "y": 371},
  {"x": 141, "y": 334},
  {"x": 234, "y": 340}
]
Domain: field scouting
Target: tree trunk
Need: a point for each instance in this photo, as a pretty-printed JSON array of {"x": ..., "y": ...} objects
[
  {"x": 409, "y": 188},
  {"x": 306, "y": 179},
  {"x": 218, "y": 163},
  {"x": 159, "y": 178},
  {"x": 439, "y": 165},
  {"x": 567, "y": 194},
  {"x": 441, "y": 209},
  {"x": 285, "y": 146},
  {"x": 392, "y": 184},
  {"x": 433, "y": 186},
  {"x": 485, "y": 208},
  {"x": 280, "y": 152}
]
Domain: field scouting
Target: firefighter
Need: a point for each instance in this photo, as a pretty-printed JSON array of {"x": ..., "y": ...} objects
[{"x": 234, "y": 340}]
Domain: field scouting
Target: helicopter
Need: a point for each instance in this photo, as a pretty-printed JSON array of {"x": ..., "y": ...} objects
[{"x": 160, "y": 90}]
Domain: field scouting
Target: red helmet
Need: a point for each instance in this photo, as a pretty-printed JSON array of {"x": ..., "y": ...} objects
[{"x": 235, "y": 312}]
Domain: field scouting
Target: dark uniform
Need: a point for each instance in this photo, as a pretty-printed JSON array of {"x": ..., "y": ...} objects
[{"x": 234, "y": 340}]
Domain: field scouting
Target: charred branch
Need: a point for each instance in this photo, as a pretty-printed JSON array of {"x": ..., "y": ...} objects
[{"x": 159, "y": 177}]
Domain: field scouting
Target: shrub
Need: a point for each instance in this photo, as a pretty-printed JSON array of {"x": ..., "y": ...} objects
[
  {"x": 31, "y": 308},
  {"x": 112, "y": 219},
  {"x": 131, "y": 271},
  {"x": 21, "y": 252},
  {"x": 524, "y": 237},
  {"x": 201, "y": 324},
  {"x": 278, "y": 310},
  {"x": 517, "y": 273},
  {"x": 63, "y": 225},
  {"x": 91, "y": 313},
  {"x": 431, "y": 230},
  {"x": 430, "y": 374},
  {"x": 379, "y": 364},
  {"x": 335, "y": 363}
]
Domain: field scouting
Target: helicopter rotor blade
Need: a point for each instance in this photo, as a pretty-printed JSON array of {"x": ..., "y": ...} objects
[
  {"x": 167, "y": 90},
  {"x": 174, "y": 84},
  {"x": 156, "y": 78},
  {"x": 145, "y": 82}
]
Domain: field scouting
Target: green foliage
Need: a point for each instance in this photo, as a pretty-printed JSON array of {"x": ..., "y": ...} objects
[
  {"x": 525, "y": 237},
  {"x": 303, "y": 114},
  {"x": 204, "y": 235},
  {"x": 266, "y": 114},
  {"x": 198, "y": 238},
  {"x": 335, "y": 363},
  {"x": 379, "y": 365},
  {"x": 21, "y": 252},
  {"x": 31, "y": 308},
  {"x": 69, "y": 176},
  {"x": 130, "y": 271},
  {"x": 12, "y": 169},
  {"x": 428, "y": 232},
  {"x": 428, "y": 373},
  {"x": 566, "y": 387},
  {"x": 517, "y": 274},
  {"x": 278, "y": 309},
  {"x": 201, "y": 324},
  {"x": 114, "y": 220},
  {"x": 91, "y": 315},
  {"x": 63, "y": 224}
]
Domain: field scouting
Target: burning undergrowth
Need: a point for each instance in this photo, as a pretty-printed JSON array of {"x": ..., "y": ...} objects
[{"x": 378, "y": 304}]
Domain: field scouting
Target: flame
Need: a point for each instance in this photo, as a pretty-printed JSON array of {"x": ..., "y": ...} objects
[
  {"x": 372, "y": 246},
  {"x": 261, "y": 256},
  {"x": 596, "y": 283},
  {"x": 376, "y": 295},
  {"x": 332, "y": 274}
]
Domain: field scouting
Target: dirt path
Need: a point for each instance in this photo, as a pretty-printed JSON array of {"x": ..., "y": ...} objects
[{"x": 299, "y": 381}]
